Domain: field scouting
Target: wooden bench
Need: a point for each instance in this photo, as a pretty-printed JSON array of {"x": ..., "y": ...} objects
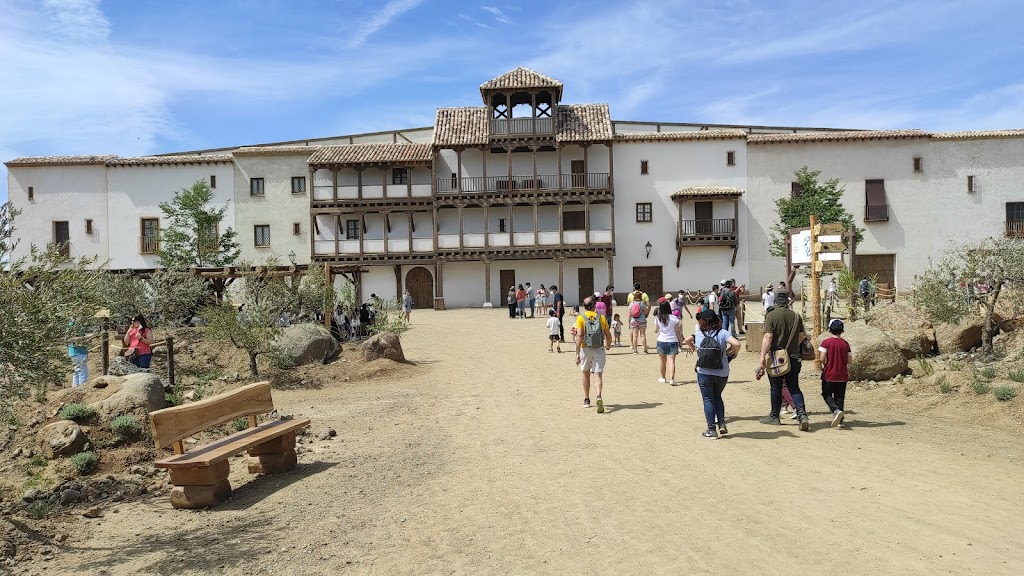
[{"x": 200, "y": 476}]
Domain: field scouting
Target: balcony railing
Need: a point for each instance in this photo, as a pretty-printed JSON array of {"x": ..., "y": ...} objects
[
  {"x": 716, "y": 227},
  {"x": 149, "y": 244},
  {"x": 62, "y": 248},
  {"x": 876, "y": 213},
  {"x": 1015, "y": 228},
  {"x": 521, "y": 126},
  {"x": 588, "y": 181}
]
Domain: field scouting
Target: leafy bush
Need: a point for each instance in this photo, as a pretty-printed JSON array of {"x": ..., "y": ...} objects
[
  {"x": 77, "y": 411},
  {"x": 944, "y": 386},
  {"x": 1016, "y": 375},
  {"x": 1004, "y": 393},
  {"x": 240, "y": 424},
  {"x": 280, "y": 360},
  {"x": 126, "y": 426},
  {"x": 85, "y": 462},
  {"x": 38, "y": 509},
  {"x": 980, "y": 387},
  {"x": 988, "y": 372}
]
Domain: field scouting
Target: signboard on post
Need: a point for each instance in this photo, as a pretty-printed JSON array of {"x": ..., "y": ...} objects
[
  {"x": 801, "y": 247},
  {"x": 825, "y": 266},
  {"x": 829, "y": 229},
  {"x": 827, "y": 247}
]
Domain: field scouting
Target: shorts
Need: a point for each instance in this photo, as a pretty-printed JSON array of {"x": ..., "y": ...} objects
[
  {"x": 638, "y": 322},
  {"x": 554, "y": 337},
  {"x": 668, "y": 348},
  {"x": 592, "y": 360}
]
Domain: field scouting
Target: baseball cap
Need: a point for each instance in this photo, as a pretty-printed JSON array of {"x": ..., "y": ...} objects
[{"x": 836, "y": 324}]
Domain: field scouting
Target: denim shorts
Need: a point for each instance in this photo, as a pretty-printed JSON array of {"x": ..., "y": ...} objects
[{"x": 668, "y": 348}]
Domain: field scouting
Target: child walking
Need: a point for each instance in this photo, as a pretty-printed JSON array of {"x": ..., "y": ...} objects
[
  {"x": 617, "y": 330},
  {"x": 835, "y": 355},
  {"x": 553, "y": 334}
]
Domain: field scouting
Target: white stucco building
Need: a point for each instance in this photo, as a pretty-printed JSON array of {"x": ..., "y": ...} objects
[{"x": 526, "y": 188}]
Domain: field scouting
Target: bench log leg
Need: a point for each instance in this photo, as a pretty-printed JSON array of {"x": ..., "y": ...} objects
[
  {"x": 276, "y": 455},
  {"x": 200, "y": 487}
]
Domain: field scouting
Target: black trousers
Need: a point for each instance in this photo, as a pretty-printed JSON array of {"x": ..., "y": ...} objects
[
  {"x": 834, "y": 394},
  {"x": 561, "y": 327},
  {"x": 512, "y": 310}
]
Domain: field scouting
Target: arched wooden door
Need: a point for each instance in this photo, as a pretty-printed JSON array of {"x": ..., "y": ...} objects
[{"x": 420, "y": 283}]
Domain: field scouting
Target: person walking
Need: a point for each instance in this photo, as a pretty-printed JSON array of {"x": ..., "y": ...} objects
[
  {"x": 553, "y": 334},
  {"x": 865, "y": 292},
  {"x": 784, "y": 330},
  {"x": 593, "y": 339},
  {"x": 768, "y": 298},
  {"x": 679, "y": 304},
  {"x": 510, "y": 299},
  {"x": 711, "y": 300},
  {"x": 741, "y": 311},
  {"x": 715, "y": 348},
  {"x": 835, "y": 355},
  {"x": 521, "y": 302},
  {"x": 727, "y": 302},
  {"x": 531, "y": 299},
  {"x": 670, "y": 334},
  {"x": 639, "y": 307},
  {"x": 542, "y": 303},
  {"x": 558, "y": 302},
  {"x": 407, "y": 305},
  {"x": 609, "y": 299},
  {"x": 139, "y": 340}
]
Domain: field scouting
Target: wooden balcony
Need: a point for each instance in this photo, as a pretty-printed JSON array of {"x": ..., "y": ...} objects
[
  {"x": 526, "y": 183},
  {"x": 876, "y": 213},
  {"x": 1015, "y": 229},
  {"x": 504, "y": 127},
  {"x": 716, "y": 232},
  {"x": 149, "y": 244}
]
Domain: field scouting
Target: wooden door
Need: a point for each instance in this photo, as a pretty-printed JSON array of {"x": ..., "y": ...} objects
[
  {"x": 420, "y": 283},
  {"x": 506, "y": 278},
  {"x": 884, "y": 265},
  {"x": 579, "y": 175},
  {"x": 62, "y": 237},
  {"x": 650, "y": 279},
  {"x": 703, "y": 214},
  {"x": 586, "y": 283}
]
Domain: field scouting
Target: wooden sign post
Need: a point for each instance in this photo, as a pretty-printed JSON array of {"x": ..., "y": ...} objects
[
  {"x": 815, "y": 287},
  {"x": 819, "y": 266}
]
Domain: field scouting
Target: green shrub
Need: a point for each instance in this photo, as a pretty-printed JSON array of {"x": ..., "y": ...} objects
[
  {"x": 240, "y": 424},
  {"x": 38, "y": 460},
  {"x": 126, "y": 426},
  {"x": 38, "y": 509},
  {"x": 280, "y": 360},
  {"x": 85, "y": 462},
  {"x": 1004, "y": 393},
  {"x": 925, "y": 366},
  {"x": 199, "y": 390},
  {"x": 988, "y": 372},
  {"x": 980, "y": 387},
  {"x": 944, "y": 386},
  {"x": 77, "y": 411},
  {"x": 1016, "y": 375}
]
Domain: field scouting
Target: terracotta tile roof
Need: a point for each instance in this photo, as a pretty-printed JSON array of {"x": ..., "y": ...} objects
[
  {"x": 294, "y": 150},
  {"x": 521, "y": 78},
  {"x": 461, "y": 127},
  {"x": 979, "y": 135},
  {"x": 697, "y": 191},
  {"x": 169, "y": 160},
  {"x": 825, "y": 136},
  {"x": 59, "y": 160},
  {"x": 581, "y": 122},
  {"x": 372, "y": 154},
  {"x": 681, "y": 135}
]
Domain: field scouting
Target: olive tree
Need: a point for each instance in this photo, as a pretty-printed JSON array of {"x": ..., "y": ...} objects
[{"x": 823, "y": 199}]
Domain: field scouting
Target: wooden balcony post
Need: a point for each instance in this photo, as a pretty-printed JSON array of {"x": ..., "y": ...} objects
[
  {"x": 561, "y": 232},
  {"x": 611, "y": 269},
  {"x": 334, "y": 184},
  {"x": 362, "y": 233},
  {"x": 533, "y": 122},
  {"x": 487, "y": 235},
  {"x": 611, "y": 170},
  {"x": 408, "y": 182},
  {"x": 586, "y": 168},
  {"x": 312, "y": 236},
  {"x": 458, "y": 173},
  {"x": 558, "y": 160},
  {"x": 534, "y": 148},
  {"x": 536, "y": 224},
  {"x": 412, "y": 223},
  {"x": 561, "y": 275},
  {"x": 460, "y": 226},
  {"x": 337, "y": 234},
  {"x": 483, "y": 151},
  {"x": 508, "y": 154},
  {"x": 487, "y": 281},
  {"x": 387, "y": 227},
  {"x": 511, "y": 223},
  {"x": 359, "y": 182},
  {"x": 586, "y": 220}
]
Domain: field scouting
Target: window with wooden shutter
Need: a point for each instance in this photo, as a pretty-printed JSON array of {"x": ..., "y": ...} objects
[
  {"x": 149, "y": 237},
  {"x": 730, "y": 158},
  {"x": 31, "y": 193},
  {"x": 261, "y": 235},
  {"x": 501, "y": 225},
  {"x": 876, "y": 207},
  {"x": 352, "y": 229},
  {"x": 296, "y": 228},
  {"x": 644, "y": 211},
  {"x": 399, "y": 176},
  {"x": 970, "y": 184},
  {"x": 795, "y": 190},
  {"x": 574, "y": 220},
  {"x": 88, "y": 225},
  {"x": 213, "y": 181},
  {"x": 918, "y": 164},
  {"x": 1015, "y": 219},
  {"x": 643, "y": 166}
]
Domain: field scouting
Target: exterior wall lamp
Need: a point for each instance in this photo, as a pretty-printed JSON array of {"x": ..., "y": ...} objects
[
  {"x": 648, "y": 247},
  {"x": 291, "y": 256}
]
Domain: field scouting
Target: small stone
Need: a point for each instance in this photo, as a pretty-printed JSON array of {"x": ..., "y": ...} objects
[
  {"x": 118, "y": 496},
  {"x": 327, "y": 433},
  {"x": 30, "y": 495},
  {"x": 69, "y": 497},
  {"x": 138, "y": 470},
  {"x": 16, "y": 453},
  {"x": 61, "y": 538},
  {"x": 93, "y": 512}
]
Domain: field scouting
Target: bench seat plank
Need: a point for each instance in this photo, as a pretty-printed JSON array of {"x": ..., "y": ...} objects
[{"x": 230, "y": 445}]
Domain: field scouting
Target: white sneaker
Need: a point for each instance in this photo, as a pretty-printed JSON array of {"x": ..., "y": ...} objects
[
  {"x": 783, "y": 410},
  {"x": 662, "y": 381},
  {"x": 794, "y": 416},
  {"x": 837, "y": 418},
  {"x": 673, "y": 382}
]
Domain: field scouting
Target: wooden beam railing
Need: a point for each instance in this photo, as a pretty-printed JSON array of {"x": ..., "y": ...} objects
[
  {"x": 588, "y": 181},
  {"x": 715, "y": 227},
  {"x": 1015, "y": 228},
  {"x": 517, "y": 126},
  {"x": 149, "y": 244}
]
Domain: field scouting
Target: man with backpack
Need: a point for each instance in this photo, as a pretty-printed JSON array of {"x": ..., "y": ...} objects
[
  {"x": 727, "y": 301},
  {"x": 639, "y": 307},
  {"x": 865, "y": 292},
  {"x": 783, "y": 334},
  {"x": 593, "y": 338}
]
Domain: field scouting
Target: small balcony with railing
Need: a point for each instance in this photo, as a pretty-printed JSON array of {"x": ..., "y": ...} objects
[
  {"x": 149, "y": 244},
  {"x": 1015, "y": 229},
  {"x": 707, "y": 232},
  {"x": 590, "y": 181},
  {"x": 505, "y": 127}
]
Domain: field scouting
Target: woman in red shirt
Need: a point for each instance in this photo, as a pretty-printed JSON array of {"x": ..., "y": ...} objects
[
  {"x": 138, "y": 339},
  {"x": 835, "y": 355},
  {"x": 521, "y": 302}
]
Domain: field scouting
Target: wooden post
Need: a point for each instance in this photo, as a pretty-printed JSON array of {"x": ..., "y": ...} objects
[
  {"x": 170, "y": 360},
  {"x": 486, "y": 187},
  {"x": 853, "y": 258},
  {"x": 815, "y": 287},
  {"x": 106, "y": 347},
  {"x": 586, "y": 220},
  {"x": 558, "y": 161},
  {"x": 561, "y": 274},
  {"x": 334, "y": 184},
  {"x": 487, "y": 282},
  {"x": 536, "y": 223},
  {"x": 611, "y": 270},
  {"x": 398, "y": 281},
  {"x": 487, "y": 233},
  {"x": 359, "y": 182},
  {"x": 458, "y": 174},
  {"x": 329, "y": 285},
  {"x": 561, "y": 232}
]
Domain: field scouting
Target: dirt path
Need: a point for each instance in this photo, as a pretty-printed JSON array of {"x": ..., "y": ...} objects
[{"x": 481, "y": 460}]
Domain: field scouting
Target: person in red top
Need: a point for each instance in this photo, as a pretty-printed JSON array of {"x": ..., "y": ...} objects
[
  {"x": 138, "y": 340},
  {"x": 834, "y": 354},
  {"x": 521, "y": 302}
]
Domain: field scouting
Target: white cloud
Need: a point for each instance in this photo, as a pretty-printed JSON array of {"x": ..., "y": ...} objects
[
  {"x": 498, "y": 14},
  {"x": 77, "y": 19},
  {"x": 393, "y": 9}
]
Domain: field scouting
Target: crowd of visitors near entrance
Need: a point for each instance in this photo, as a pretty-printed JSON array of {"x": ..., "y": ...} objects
[{"x": 713, "y": 343}]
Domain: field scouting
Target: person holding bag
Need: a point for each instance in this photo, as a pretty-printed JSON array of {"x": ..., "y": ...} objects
[
  {"x": 781, "y": 358},
  {"x": 138, "y": 339}
]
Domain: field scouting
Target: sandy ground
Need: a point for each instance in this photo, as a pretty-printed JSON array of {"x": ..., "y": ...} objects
[{"x": 481, "y": 460}]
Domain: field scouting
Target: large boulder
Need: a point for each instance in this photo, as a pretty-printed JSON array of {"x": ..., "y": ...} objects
[
  {"x": 307, "y": 344},
  {"x": 143, "y": 392},
  {"x": 875, "y": 355},
  {"x": 962, "y": 337},
  {"x": 912, "y": 343},
  {"x": 384, "y": 345},
  {"x": 62, "y": 438}
]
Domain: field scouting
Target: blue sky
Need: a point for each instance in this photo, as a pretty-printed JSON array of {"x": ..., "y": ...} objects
[{"x": 150, "y": 76}]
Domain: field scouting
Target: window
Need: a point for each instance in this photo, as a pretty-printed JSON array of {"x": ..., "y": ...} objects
[
  {"x": 455, "y": 181},
  {"x": 352, "y": 229},
  {"x": 62, "y": 238},
  {"x": 31, "y": 194},
  {"x": 256, "y": 187},
  {"x": 643, "y": 212},
  {"x": 573, "y": 220},
  {"x": 795, "y": 190},
  {"x": 149, "y": 238},
  {"x": 730, "y": 158},
  {"x": 918, "y": 164},
  {"x": 876, "y": 209},
  {"x": 213, "y": 181},
  {"x": 296, "y": 228},
  {"x": 399, "y": 176},
  {"x": 501, "y": 225},
  {"x": 261, "y": 235},
  {"x": 210, "y": 239},
  {"x": 88, "y": 225},
  {"x": 970, "y": 184},
  {"x": 643, "y": 166},
  {"x": 298, "y": 184},
  {"x": 1015, "y": 219}
]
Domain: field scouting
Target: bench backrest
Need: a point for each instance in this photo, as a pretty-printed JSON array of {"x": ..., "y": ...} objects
[{"x": 171, "y": 425}]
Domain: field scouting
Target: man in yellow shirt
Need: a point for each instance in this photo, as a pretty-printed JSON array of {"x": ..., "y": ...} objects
[
  {"x": 593, "y": 338},
  {"x": 638, "y": 317}
]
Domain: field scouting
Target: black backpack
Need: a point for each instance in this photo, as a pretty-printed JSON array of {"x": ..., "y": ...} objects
[
  {"x": 709, "y": 354},
  {"x": 727, "y": 300}
]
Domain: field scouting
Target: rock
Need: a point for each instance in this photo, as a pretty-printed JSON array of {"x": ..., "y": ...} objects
[
  {"x": 327, "y": 433},
  {"x": 912, "y": 343},
  {"x": 385, "y": 345},
  {"x": 7, "y": 549},
  {"x": 875, "y": 355},
  {"x": 16, "y": 454},
  {"x": 30, "y": 495},
  {"x": 961, "y": 337},
  {"x": 93, "y": 512},
  {"x": 136, "y": 392},
  {"x": 139, "y": 471},
  {"x": 104, "y": 381},
  {"x": 307, "y": 344},
  {"x": 69, "y": 497},
  {"x": 62, "y": 438}
]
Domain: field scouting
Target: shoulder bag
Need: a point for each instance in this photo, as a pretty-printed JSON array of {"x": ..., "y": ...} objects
[{"x": 778, "y": 360}]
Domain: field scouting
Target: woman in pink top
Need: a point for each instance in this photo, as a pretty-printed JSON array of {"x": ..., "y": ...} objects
[{"x": 138, "y": 339}]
